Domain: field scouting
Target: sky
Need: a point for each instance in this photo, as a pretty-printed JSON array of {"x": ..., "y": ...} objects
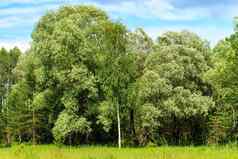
[{"x": 210, "y": 19}]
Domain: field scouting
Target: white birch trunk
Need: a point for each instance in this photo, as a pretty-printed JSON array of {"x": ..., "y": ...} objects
[{"x": 119, "y": 126}]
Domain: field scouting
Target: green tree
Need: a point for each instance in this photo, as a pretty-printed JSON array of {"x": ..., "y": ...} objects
[
  {"x": 116, "y": 72},
  {"x": 68, "y": 42},
  {"x": 27, "y": 106},
  {"x": 223, "y": 76},
  {"x": 173, "y": 85},
  {"x": 8, "y": 61}
]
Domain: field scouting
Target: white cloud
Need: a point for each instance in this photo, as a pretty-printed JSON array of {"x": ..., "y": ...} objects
[
  {"x": 145, "y": 9},
  {"x": 211, "y": 33},
  {"x": 33, "y": 10},
  {"x": 23, "y": 1},
  {"x": 12, "y": 21},
  {"x": 160, "y": 9},
  {"x": 166, "y": 9},
  {"x": 22, "y": 45},
  {"x": 17, "y": 16}
]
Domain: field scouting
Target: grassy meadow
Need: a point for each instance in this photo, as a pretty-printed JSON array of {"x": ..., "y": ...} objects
[{"x": 54, "y": 152}]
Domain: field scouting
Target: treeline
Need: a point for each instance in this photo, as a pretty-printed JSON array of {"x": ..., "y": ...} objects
[{"x": 88, "y": 80}]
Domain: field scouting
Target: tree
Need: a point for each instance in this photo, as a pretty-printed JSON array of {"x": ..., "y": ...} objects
[
  {"x": 68, "y": 123},
  {"x": 139, "y": 42},
  {"x": 8, "y": 61},
  {"x": 224, "y": 79},
  {"x": 71, "y": 43},
  {"x": 173, "y": 84},
  {"x": 27, "y": 106},
  {"x": 116, "y": 72},
  {"x": 87, "y": 79}
]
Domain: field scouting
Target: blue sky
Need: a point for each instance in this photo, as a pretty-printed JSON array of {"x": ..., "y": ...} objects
[{"x": 211, "y": 19}]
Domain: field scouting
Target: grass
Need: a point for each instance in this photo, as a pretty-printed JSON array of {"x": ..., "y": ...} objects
[{"x": 54, "y": 152}]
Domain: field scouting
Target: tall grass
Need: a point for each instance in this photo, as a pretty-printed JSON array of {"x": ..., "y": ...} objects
[{"x": 54, "y": 152}]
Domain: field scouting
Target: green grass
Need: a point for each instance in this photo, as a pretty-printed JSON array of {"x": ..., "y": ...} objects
[{"x": 54, "y": 152}]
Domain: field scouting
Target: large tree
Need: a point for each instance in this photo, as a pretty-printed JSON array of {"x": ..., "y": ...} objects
[
  {"x": 224, "y": 77},
  {"x": 8, "y": 61},
  {"x": 28, "y": 106},
  {"x": 87, "y": 79},
  {"x": 84, "y": 55},
  {"x": 172, "y": 88}
]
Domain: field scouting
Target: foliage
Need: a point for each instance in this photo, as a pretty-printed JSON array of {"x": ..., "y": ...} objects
[
  {"x": 224, "y": 79},
  {"x": 68, "y": 123},
  {"x": 173, "y": 81},
  {"x": 87, "y": 79}
]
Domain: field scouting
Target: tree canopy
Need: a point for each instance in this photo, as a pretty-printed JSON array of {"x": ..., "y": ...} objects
[{"x": 88, "y": 79}]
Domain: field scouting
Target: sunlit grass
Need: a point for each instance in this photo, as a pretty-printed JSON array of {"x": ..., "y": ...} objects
[{"x": 54, "y": 152}]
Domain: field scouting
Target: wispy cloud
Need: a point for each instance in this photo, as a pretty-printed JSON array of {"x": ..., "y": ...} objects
[
  {"x": 167, "y": 10},
  {"x": 156, "y": 16},
  {"x": 212, "y": 33},
  {"x": 21, "y": 44},
  {"x": 24, "y": 1}
]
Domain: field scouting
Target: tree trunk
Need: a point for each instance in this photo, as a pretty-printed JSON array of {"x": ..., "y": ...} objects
[
  {"x": 8, "y": 138},
  {"x": 19, "y": 138},
  {"x": 33, "y": 128},
  {"x": 8, "y": 135},
  {"x": 119, "y": 126},
  {"x": 233, "y": 117},
  {"x": 132, "y": 130}
]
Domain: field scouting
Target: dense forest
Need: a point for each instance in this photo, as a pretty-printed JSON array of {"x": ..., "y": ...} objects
[{"x": 87, "y": 79}]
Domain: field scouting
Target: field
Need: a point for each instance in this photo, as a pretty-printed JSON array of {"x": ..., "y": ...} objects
[{"x": 54, "y": 152}]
